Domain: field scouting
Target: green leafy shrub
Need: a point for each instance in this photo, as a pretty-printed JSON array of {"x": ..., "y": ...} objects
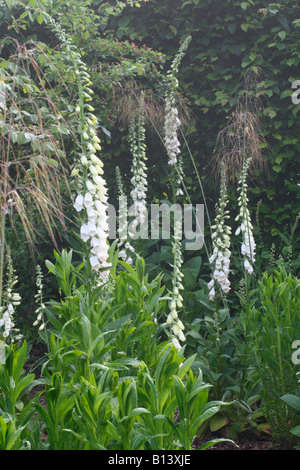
[{"x": 272, "y": 325}]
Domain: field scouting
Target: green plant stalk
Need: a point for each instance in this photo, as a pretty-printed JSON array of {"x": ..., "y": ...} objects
[
  {"x": 279, "y": 350},
  {"x": 173, "y": 190},
  {"x": 245, "y": 330},
  {"x": 198, "y": 177},
  {"x": 280, "y": 358}
]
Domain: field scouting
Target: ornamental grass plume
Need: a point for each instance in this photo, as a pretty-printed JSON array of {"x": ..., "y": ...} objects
[
  {"x": 239, "y": 150},
  {"x": 243, "y": 137},
  {"x": 32, "y": 148},
  {"x": 220, "y": 258},
  {"x": 33, "y": 163}
]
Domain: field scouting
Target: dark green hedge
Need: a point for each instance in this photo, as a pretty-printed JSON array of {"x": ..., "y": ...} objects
[{"x": 229, "y": 39}]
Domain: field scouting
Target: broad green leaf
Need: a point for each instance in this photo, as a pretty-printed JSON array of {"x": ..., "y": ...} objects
[
  {"x": 217, "y": 422},
  {"x": 296, "y": 431},
  {"x": 214, "y": 442},
  {"x": 292, "y": 400},
  {"x": 185, "y": 366}
]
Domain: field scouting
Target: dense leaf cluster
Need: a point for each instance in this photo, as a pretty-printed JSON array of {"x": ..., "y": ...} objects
[{"x": 230, "y": 39}]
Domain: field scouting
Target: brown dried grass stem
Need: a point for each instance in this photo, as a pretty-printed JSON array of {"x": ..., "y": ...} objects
[
  {"x": 33, "y": 159},
  {"x": 242, "y": 138}
]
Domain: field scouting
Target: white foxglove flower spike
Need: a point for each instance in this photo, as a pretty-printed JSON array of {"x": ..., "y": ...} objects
[
  {"x": 172, "y": 121},
  {"x": 92, "y": 187},
  {"x": 171, "y": 127},
  {"x": 248, "y": 246},
  {"x": 173, "y": 321},
  {"x": 139, "y": 179},
  {"x": 11, "y": 300},
  {"x": 220, "y": 258}
]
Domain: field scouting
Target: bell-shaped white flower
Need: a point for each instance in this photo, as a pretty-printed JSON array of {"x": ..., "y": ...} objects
[
  {"x": 78, "y": 205},
  {"x": 95, "y": 263},
  {"x": 84, "y": 233},
  {"x": 88, "y": 200}
]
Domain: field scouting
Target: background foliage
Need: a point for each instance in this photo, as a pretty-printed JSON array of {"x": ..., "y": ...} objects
[
  {"x": 229, "y": 39},
  {"x": 129, "y": 50}
]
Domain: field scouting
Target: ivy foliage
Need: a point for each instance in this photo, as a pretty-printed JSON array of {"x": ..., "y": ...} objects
[
  {"x": 129, "y": 49},
  {"x": 117, "y": 68},
  {"x": 230, "y": 40}
]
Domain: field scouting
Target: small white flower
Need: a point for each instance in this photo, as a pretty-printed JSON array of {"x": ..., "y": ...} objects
[
  {"x": 181, "y": 336},
  {"x": 84, "y": 233},
  {"x": 212, "y": 293},
  {"x": 96, "y": 160},
  {"x": 79, "y": 203},
  {"x": 75, "y": 172},
  {"x": 176, "y": 343},
  {"x": 180, "y": 325},
  {"x": 92, "y": 229},
  {"x": 95, "y": 263},
  {"x": 248, "y": 266},
  {"x": 90, "y": 187},
  {"x": 91, "y": 148},
  {"x": 88, "y": 200},
  {"x": 174, "y": 314}
]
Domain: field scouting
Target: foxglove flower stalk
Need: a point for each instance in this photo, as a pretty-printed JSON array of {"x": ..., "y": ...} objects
[
  {"x": 220, "y": 258},
  {"x": 91, "y": 200},
  {"x": 39, "y": 300},
  {"x": 248, "y": 243},
  {"x": 179, "y": 178},
  {"x": 171, "y": 126},
  {"x": 127, "y": 251},
  {"x": 176, "y": 325},
  {"x": 172, "y": 121},
  {"x": 11, "y": 300},
  {"x": 139, "y": 168},
  {"x": 6, "y": 320}
]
